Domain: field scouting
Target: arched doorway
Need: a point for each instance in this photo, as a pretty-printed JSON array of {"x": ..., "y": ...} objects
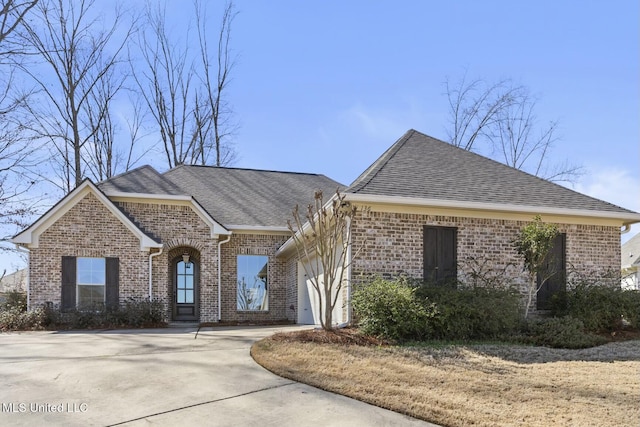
[{"x": 186, "y": 287}]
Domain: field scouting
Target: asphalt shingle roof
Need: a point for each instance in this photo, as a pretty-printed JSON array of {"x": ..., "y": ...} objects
[
  {"x": 420, "y": 166},
  {"x": 247, "y": 196},
  {"x": 144, "y": 180}
]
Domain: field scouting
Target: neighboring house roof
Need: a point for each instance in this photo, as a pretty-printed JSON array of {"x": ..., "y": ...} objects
[
  {"x": 143, "y": 180},
  {"x": 246, "y": 198},
  {"x": 419, "y": 166},
  {"x": 16, "y": 281},
  {"x": 30, "y": 236},
  {"x": 631, "y": 252}
]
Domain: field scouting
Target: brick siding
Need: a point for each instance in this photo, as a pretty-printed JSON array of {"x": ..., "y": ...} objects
[
  {"x": 255, "y": 244},
  {"x": 392, "y": 246},
  {"x": 87, "y": 230}
]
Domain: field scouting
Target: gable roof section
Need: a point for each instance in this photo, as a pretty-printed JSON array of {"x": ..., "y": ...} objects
[
  {"x": 418, "y": 166},
  {"x": 631, "y": 252},
  {"x": 30, "y": 236},
  {"x": 143, "y": 180},
  {"x": 145, "y": 183},
  {"x": 249, "y": 198}
]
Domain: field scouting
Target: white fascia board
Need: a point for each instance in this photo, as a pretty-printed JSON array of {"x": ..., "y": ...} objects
[
  {"x": 216, "y": 228},
  {"x": 261, "y": 229},
  {"x": 626, "y": 218},
  {"x": 30, "y": 236},
  {"x": 290, "y": 243}
]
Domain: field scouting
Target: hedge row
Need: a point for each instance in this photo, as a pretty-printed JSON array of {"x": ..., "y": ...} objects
[{"x": 402, "y": 310}]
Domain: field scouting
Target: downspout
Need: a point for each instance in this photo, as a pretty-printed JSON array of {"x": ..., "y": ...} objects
[
  {"x": 27, "y": 251},
  {"x": 347, "y": 259},
  {"x": 220, "y": 243},
  {"x": 151, "y": 255}
]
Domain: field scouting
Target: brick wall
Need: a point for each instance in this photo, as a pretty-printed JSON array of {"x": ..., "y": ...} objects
[
  {"x": 181, "y": 230},
  {"x": 393, "y": 246},
  {"x": 87, "y": 230},
  {"x": 255, "y": 244}
]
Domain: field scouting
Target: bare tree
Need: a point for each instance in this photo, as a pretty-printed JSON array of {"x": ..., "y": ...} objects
[
  {"x": 12, "y": 13},
  {"x": 105, "y": 156},
  {"x": 219, "y": 116},
  {"x": 182, "y": 94},
  {"x": 17, "y": 205},
  {"x": 500, "y": 119},
  {"x": 323, "y": 242},
  {"x": 82, "y": 53}
]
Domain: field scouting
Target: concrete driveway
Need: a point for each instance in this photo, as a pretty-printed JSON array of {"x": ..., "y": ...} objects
[{"x": 164, "y": 377}]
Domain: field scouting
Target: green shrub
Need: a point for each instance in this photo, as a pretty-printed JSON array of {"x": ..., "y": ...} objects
[
  {"x": 133, "y": 313},
  {"x": 474, "y": 312},
  {"x": 390, "y": 310},
  {"x": 600, "y": 308},
  {"x": 561, "y": 332}
]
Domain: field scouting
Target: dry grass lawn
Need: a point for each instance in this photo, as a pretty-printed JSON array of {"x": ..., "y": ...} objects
[{"x": 480, "y": 385}]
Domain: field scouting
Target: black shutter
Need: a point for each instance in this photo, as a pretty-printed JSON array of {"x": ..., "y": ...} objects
[
  {"x": 68, "y": 297},
  {"x": 448, "y": 265},
  {"x": 430, "y": 254},
  {"x": 555, "y": 264},
  {"x": 439, "y": 254},
  {"x": 112, "y": 282}
]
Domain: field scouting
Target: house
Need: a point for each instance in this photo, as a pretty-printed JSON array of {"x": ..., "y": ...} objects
[
  {"x": 212, "y": 243},
  {"x": 13, "y": 282},
  {"x": 630, "y": 265}
]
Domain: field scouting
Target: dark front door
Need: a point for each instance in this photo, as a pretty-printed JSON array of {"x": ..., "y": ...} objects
[
  {"x": 185, "y": 291},
  {"x": 553, "y": 278},
  {"x": 439, "y": 254}
]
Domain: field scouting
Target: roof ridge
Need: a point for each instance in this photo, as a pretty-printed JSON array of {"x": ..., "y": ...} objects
[
  {"x": 128, "y": 172},
  {"x": 391, "y": 174},
  {"x": 373, "y": 170},
  {"x": 539, "y": 178},
  {"x": 243, "y": 169}
]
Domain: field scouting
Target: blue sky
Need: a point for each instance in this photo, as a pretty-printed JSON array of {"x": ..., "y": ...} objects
[{"x": 327, "y": 86}]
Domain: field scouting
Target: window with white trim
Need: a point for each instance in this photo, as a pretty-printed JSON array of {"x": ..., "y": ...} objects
[
  {"x": 252, "y": 282},
  {"x": 90, "y": 282}
]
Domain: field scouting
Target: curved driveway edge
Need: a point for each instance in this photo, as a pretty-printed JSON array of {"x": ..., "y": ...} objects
[{"x": 162, "y": 377}]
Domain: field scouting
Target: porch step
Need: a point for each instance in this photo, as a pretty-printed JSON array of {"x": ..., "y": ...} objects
[{"x": 183, "y": 324}]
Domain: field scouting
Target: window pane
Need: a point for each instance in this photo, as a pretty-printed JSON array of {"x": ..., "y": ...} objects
[
  {"x": 84, "y": 276},
  {"x": 181, "y": 267},
  {"x": 84, "y": 264},
  {"x": 181, "y": 297},
  {"x": 188, "y": 282},
  {"x": 90, "y": 296},
  {"x": 189, "y": 297},
  {"x": 91, "y": 271},
  {"x": 252, "y": 288}
]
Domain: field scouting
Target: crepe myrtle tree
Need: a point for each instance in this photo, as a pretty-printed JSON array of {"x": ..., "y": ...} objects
[
  {"x": 534, "y": 244},
  {"x": 322, "y": 238}
]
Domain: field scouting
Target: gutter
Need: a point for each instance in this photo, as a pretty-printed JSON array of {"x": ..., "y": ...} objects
[
  {"x": 629, "y": 217},
  {"x": 151, "y": 256},
  {"x": 220, "y": 243}
]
